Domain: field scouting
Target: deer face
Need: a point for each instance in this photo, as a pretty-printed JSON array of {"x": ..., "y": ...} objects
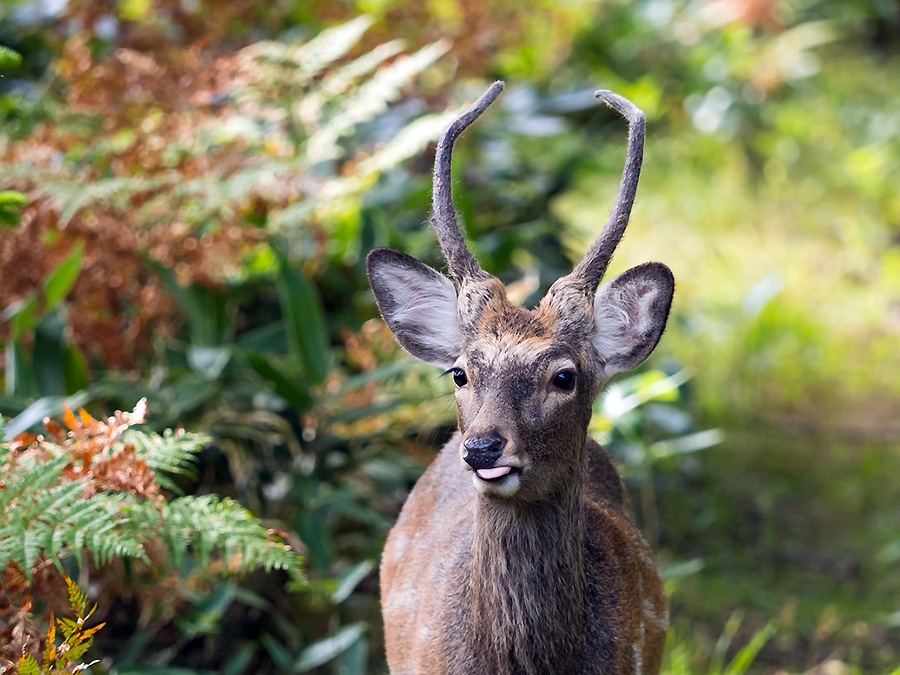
[{"x": 525, "y": 379}]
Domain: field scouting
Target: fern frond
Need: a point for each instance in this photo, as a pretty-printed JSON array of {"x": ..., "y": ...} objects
[
  {"x": 370, "y": 100},
  {"x": 310, "y": 108},
  {"x": 30, "y": 476},
  {"x": 77, "y": 599},
  {"x": 222, "y": 527},
  {"x": 172, "y": 453},
  {"x": 81, "y": 194},
  {"x": 408, "y": 143},
  {"x": 28, "y": 665},
  {"x": 304, "y": 62},
  {"x": 56, "y": 505},
  {"x": 46, "y": 509},
  {"x": 59, "y": 522}
]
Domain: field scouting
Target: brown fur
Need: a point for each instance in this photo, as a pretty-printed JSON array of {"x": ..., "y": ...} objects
[{"x": 469, "y": 587}]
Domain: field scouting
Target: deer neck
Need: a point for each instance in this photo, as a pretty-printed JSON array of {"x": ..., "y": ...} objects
[{"x": 526, "y": 583}]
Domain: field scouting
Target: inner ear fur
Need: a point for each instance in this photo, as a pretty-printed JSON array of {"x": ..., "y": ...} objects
[
  {"x": 419, "y": 305},
  {"x": 630, "y": 315}
]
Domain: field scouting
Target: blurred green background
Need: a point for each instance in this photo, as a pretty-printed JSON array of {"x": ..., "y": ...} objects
[{"x": 203, "y": 179}]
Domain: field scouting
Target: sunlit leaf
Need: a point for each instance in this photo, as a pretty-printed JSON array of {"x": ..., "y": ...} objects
[
  {"x": 329, "y": 648},
  {"x": 305, "y": 321}
]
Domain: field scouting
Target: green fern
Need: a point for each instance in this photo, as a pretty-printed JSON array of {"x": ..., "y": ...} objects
[
  {"x": 45, "y": 512},
  {"x": 211, "y": 527},
  {"x": 169, "y": 453}
]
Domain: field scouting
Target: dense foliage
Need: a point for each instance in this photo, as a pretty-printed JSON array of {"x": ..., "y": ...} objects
[
  {"x": 188, "y": 191},
  {"x": 93, "y": 490}
]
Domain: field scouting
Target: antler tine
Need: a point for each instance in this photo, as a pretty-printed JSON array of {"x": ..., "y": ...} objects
[
  {"x": 460, "y": 260},
  {"x": 593, "y": 266}
]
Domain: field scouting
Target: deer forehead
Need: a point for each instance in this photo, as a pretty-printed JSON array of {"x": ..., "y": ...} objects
[
  {"x": 513, "y": 341},
  {"x": 507, "y": 353}
]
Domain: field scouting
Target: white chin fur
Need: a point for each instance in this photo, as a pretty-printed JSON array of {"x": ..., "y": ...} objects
[{"x": 501, "y": 488}]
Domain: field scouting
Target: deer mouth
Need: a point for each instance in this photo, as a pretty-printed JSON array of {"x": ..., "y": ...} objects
[
  {"x": 500, "y": 481},
  {"x": 495, "y": 474}
]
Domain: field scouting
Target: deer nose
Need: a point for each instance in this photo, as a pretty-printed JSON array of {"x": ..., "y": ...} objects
[{"x": 482, "y": 452}]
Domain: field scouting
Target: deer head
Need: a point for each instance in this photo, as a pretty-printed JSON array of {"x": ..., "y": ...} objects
[{"x": 525, "y": 379}]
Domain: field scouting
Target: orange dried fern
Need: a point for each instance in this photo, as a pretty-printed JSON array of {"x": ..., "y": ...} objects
[{"x": 77, "y": 639}]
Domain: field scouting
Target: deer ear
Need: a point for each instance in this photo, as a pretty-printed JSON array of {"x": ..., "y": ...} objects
[
  {"x": 630, "y": 316},
  {"x": 419, "y": 305}
]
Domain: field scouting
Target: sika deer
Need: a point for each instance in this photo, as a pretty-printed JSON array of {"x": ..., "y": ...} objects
[{"x": 516, "y": 552}]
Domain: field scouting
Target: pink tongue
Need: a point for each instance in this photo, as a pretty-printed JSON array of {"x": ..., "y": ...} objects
[{"x": 496, "y": 472}]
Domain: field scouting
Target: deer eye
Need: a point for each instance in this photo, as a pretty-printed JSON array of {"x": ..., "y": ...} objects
[
  {"x": 459, "y": 377},
  {"x": 564, "y": 379}
]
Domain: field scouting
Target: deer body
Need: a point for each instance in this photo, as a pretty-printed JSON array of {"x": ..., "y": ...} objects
[
  {"x": 516, "y": 554},
  {"x": 470, "y": 587}
]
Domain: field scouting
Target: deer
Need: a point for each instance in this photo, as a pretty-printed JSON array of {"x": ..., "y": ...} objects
[{"x": 516, "y": 552}]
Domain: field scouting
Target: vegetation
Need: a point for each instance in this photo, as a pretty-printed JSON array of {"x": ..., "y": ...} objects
[
  {"x": 188, "y": 191},
  {"x": 93, "y": 490},
  {"x": 77, "y": 639}
]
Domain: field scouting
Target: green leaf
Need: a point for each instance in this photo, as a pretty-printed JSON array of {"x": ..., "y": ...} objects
[
  {"x": 22, "y": 315},
  {"x": 190, "y": 392},
  {"x": 679, "y": 570},
  {"x": 205, "y": 310},
  {"x": 25, "y": 315},
  {"x": 9, "y": 58},
  {"x": 205, "y": 617},
  {"x": 279, "y": 654},
  {"x": 745, "y": 657},
  {"x": 238, "y": 662},
  {"x": 74, "y": 369},
  {"x": 75, "y": 653},
  {"x": 11, "y": 198},
  {"x": 60, "y": 281},
  {"x": 134, "y": 10},
  {"x": 724, "y": 642},
  {"x": 354, "y": 660},
  {"x": 20, "y": 379},
  {"x": 208, "y": 361},
  {"x": 325, "y": 650},
  {"x": 11, "y": 202},
  {"x": 49, "y": 356},
  {"x": 292, "y": 389},
  {"x": 350, "y": 580},
  {"x": 48, "y": 406},
  {"x": 304, "y": 321}
]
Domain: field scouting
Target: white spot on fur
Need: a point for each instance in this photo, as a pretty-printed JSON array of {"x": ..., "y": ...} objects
[
  {"x": 398, "y": 546},
  {"x": 657, "y": 619},
  {"x": 638, "y": 659},
  {"x": 402, "y": 599}
]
